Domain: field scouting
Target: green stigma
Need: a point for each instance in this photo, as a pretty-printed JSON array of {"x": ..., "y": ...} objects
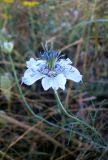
[{"x": 51, "y": 57}]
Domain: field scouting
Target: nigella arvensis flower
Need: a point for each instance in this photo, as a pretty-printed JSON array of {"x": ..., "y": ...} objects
[{"x": 52, "y": 69}]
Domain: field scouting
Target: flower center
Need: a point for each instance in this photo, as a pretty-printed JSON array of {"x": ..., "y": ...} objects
[
  {"x": 51, "y": 72},
  {"x": 51, "y": 58}
]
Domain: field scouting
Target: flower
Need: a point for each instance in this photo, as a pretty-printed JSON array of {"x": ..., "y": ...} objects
[
  {"x": 52, "y": 69},
  {"x": 8, "y": 1},
  {"x": 30, "y": 3},
  {"x": 7, "y": 46}
]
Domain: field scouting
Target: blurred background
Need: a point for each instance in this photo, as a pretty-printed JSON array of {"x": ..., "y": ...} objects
[{"x": 79, "y": 29}]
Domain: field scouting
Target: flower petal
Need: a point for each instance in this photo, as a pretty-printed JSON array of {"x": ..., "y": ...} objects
[
  {"x": 72, "y": 74},
  {"x": 64, "y": 62},
  {"x": 61, "y": 80},
  {"x": 46, "y": 83},
  {"x": 31, "y": 62},
  {"x": 35, "y": 64},
  {"x": 30, "y": 77},
  {"x": 55, "y": 82}
]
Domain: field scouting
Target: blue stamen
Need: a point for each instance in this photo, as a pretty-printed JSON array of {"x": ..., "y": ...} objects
[{"x": 51, "y": 57}]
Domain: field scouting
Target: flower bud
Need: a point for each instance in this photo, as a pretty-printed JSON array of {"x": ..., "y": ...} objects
[{"x": 7, "y": 46}]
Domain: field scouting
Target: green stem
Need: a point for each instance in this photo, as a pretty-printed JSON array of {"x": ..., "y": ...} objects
[{"x": 73, "y": 117}]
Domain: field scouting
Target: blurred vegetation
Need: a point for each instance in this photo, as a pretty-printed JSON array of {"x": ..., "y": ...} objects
[{"x": 79, "y": 28}]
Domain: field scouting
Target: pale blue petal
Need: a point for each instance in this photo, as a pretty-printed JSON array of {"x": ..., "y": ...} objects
[
  {"x": 46, "y": 83},
  {"x": 61, "y": 80},
  {"x": 64, "y": 62},
  {"x": 55, "y": 82},
  {"x": 31, "y": 62},
  {"x": 31, "y": 77},
  {"x": 73, "y": 74},
  {"x": 35, "y": 64}
]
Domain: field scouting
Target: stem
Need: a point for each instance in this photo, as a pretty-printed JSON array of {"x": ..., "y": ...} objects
[{"x": 73, "y": 117}]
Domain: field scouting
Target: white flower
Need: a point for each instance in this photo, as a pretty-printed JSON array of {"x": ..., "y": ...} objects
[
  {"x": 7, "y": 46},
  {"x": 53, "y": 71}
]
